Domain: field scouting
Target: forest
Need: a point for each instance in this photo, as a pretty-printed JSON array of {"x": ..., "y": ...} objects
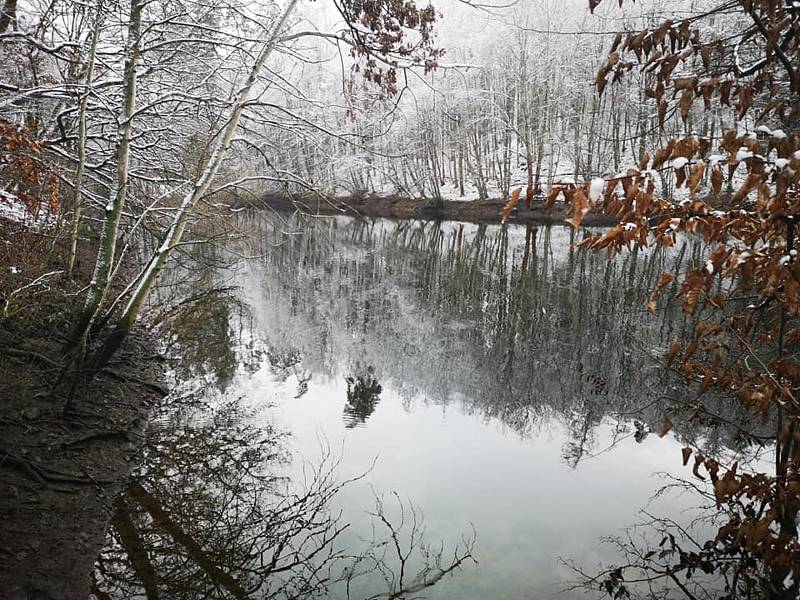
[{"x": 367, "y": 299}]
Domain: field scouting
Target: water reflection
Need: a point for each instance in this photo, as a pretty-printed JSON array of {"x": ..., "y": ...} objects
[
  {"x": 201, "y": 319},
  {"x": 205, "y": 507},
  {"x": 514, "y": 324},
  {"x": 363, "y": 395},
  {"x": 485, "y": 365},
  {"x": 211, "y": 515}
]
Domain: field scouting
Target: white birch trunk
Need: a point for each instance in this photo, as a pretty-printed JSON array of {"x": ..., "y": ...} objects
[
  {"x": 76, "y": 214},
  {"x": 98, "y": 288},
  {"x": 175, "y": 231}
]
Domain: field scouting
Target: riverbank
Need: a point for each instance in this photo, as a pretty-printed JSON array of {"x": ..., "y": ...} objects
[
  {"x": 396, "y": 207},
  {"x": 62, "y": 471}
]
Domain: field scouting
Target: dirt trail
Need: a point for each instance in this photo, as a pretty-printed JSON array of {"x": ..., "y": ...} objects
[{"x": 59, "y": 474}]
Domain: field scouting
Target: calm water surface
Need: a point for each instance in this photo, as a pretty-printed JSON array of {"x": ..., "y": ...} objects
[
  {"x": 511, "y": 373},
  {"x": 497, "y": 378}
]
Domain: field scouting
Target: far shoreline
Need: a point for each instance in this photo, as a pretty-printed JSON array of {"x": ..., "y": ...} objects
[{"x": 397, "y": 207}]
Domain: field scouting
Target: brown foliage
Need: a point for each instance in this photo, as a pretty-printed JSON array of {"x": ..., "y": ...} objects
[
  {"x": 744, "y": 296},
  {"x": 511, "y": 204},
  {"x": 21, "y": 162},
  {"x": 380, "y": 38},
  {"x": 580, "y": 207}
]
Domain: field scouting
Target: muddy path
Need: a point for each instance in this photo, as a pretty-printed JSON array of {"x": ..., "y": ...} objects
[
  {"x": 61, "y": 471},
  {"x": 60, "y": 474}
]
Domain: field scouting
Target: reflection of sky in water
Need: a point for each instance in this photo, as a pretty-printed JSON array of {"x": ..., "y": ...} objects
[
  {"x": 492, "y": 367},
  {"x": 526, "y": 504}
]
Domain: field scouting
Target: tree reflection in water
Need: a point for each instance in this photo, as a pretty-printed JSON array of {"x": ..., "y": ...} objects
[
  {"x": 210, "y": 517},
  {"x": 363, "y": 395},
  {"x": 514, "y": 323}
]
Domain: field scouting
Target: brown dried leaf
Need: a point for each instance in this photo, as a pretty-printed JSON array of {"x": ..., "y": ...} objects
[
  {"x": 698, "y": 460},
  {"x": 580, "y": 206},
  {"x": 663, "y": 281},
  {"x": 552, "y": 195},
  {"x": 687, "y": 98},
  {"x": 662, "y": 112},
  {"x": 696, "y": 177},
  {"x": 511, "y": 204},
  {"x": 617, "y": 40},
  {"x": 716, "y": 179}
]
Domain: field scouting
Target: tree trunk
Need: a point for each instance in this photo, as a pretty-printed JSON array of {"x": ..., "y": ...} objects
[
  {"x": 175, "y": 231},
  {"x": 76, "y": 214},
  {"x": 108, "y": 236}
]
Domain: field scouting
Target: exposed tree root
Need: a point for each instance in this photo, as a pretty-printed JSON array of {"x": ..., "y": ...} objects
[
  {"x": 57, "y": 480},
  {"x": 127, "y": 378},
  {"x": 96, "y": 435},
  {"x": 31, "y": 356}
]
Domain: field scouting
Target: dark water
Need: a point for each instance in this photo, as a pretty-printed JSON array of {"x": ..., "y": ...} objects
[{"x": 497, "y": 378}]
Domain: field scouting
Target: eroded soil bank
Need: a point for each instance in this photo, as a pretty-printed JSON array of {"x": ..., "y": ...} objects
[
  {"x": 60, "y": 471},
  {"x": 396, "y": 207}
]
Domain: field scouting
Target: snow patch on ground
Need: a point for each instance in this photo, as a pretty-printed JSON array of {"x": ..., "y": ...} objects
[{"x": 13, "y": 209}]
